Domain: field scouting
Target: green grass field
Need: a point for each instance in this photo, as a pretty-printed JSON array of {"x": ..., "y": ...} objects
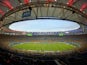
[{"x": 56, "y": 46}]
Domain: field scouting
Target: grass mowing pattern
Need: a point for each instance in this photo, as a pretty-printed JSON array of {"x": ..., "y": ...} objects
[{"x": 57, "y": 46}]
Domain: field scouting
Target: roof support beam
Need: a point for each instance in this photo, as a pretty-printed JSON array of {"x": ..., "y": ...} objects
[
  {"x": 70, "y": 2},
  {"x": 2, "y": 12},
  {"x": 48, "y": 1},
  {"x": 83, "y": 7},
  {"x": 7, "y": 3},
  {"x": 26, "y": 1}
]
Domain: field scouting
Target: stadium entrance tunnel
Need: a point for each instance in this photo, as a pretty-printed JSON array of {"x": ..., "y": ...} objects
[{"x": 44, "y": 25}]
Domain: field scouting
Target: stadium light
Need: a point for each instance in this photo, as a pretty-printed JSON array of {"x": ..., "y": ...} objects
[
  {"x": 7, "y": 3},
  {"x": 83, "y": 7},
  {"x": 70, "y": 2},
  {"x": 2, "y": 12}
]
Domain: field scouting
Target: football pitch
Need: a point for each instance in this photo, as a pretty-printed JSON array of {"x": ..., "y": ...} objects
[{"x": 44, "y": 46}]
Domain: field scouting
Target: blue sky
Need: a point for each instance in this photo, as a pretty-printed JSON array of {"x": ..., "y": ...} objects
[{"x": 44, "y": 25}]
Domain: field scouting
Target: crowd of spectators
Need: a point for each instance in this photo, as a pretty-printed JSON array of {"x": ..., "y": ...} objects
[{"x": 12, "y": 58}]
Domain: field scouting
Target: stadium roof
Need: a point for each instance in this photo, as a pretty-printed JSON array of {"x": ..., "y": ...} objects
[
  {"x": 6, "y": 5},
  {"x": 12, "y": 10}
]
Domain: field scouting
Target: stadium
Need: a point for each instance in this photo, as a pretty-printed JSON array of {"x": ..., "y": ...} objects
[{"x": 43, "y": 32}]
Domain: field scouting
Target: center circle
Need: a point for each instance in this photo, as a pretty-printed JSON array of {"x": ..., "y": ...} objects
[{"x": 44, "y": 25}]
